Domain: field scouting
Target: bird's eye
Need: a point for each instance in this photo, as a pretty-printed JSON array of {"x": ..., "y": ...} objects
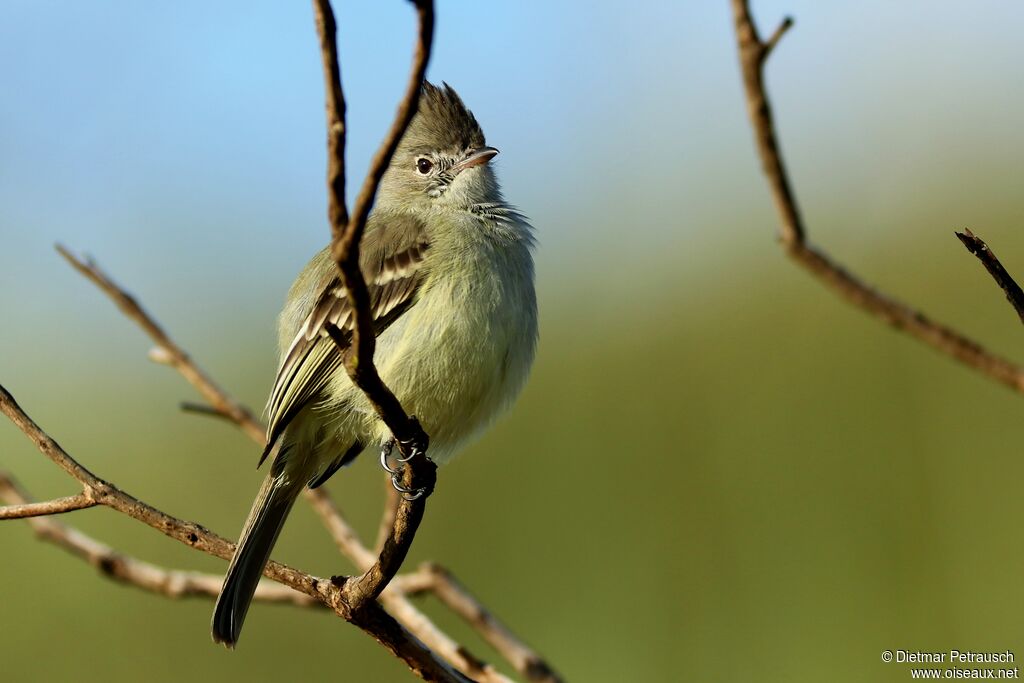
[{"x": 424, "y": 166}]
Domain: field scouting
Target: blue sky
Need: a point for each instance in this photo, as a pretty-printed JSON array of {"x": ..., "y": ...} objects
[{"x": 182, "y": 143}]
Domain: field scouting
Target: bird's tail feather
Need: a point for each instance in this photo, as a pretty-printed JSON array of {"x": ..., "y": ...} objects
[{"x": 269, "y": 511}]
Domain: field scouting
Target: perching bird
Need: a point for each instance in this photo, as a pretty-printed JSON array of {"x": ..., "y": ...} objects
[{"x": 450, "y": 273}]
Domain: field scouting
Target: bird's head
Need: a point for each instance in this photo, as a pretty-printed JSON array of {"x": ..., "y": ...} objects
[{"x": 442, "y": 158}]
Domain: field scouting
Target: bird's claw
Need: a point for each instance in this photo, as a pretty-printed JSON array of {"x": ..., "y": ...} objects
[
  {"x": 414, "y": 450},
  {"x": 407, "y": 493},
  {"x": 416, "y": 445},
  {"x": 385, "y": 452}
]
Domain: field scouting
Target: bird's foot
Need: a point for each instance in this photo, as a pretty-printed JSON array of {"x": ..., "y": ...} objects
[
  {"x": 396, "y": 472},
  {"x": 388, "y": 448},
  {"x": 406, "y": 493},
  {"x": 408, "y": 450}
]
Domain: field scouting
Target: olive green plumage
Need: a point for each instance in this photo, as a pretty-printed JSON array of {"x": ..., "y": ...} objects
[{"x": 450, "y": 272}]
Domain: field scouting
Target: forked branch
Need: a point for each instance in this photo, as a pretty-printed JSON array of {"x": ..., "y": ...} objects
[
  {"x": 433, "y": 578},
  {"x": 120, "y": 567},
  {"x": 167, "y": 351},
  {"x": 23, "y": 509},
  {"x": 370, "y": 617}
]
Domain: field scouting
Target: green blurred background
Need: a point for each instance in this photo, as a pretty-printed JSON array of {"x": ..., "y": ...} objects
[{"x": 718, "y": 471}]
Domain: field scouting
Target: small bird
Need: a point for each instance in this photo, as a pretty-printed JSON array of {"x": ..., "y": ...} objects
[{"x": 450, "y": 271}]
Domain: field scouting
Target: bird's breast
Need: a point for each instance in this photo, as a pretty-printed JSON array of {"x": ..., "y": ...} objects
[{"x": 462, "y": 353}]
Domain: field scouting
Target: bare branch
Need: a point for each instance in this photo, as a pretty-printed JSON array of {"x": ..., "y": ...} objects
[
  {"x": 775, "y": 37},
  {"x": 1013, "y": 292},
  {"x": 397, "y": 603},
  {"x": 171, "y": 353},
  {"x": 752, "y": 57},
  {"x": 346, "y": 233},
  {"x": 49, "y": 507},
  {"x": 345, "y": 537},
  {"x": 403, "y": 117},
  {"x": 370, "y": 617},
  {"x": 203, "y": 409},
  {"x": 327, "y": 30},
  {"x": 394, "y": 599},
  {"x": 432, "y": 578},
  {"x": 104, "y": 493},
  {"x": 753, "y": 53},
  {"x": 129, "y": 570},
  {"x": 438, "y": 641},
  {"x": 49, "y": 447},
  {"x": 387, "y": 520}
]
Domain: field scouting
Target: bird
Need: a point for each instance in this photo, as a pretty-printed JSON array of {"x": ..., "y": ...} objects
[{"x": 449, "y": 265}]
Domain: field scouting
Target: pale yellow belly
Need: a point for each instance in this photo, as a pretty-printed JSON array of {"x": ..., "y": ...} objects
[{"x": 456, "y": 360}]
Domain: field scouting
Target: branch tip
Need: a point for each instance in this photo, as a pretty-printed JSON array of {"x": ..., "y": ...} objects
[
  {"x": 995, "y": 268},
  {"x": 776, "y": 36}
]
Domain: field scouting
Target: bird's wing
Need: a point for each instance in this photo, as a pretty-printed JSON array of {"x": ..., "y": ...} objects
[{"x": 393, "y": 252}]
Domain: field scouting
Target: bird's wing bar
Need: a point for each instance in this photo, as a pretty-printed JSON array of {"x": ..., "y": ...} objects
[{"x": 393, "y": 281}]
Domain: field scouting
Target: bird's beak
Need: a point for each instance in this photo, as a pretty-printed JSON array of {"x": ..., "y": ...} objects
[{"x": 475, "y": 158}]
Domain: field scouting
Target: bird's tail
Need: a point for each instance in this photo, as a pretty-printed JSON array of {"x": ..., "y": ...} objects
[{"x": 266, "y": 518}]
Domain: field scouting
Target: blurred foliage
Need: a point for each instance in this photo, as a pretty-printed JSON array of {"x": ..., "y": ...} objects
[{"x": 755, "y": 483}]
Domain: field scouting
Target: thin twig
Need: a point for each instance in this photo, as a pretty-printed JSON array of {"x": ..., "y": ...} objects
[
  {"x": 171, "y": 353},
  {"x": 439, "y": 641},
  {"x": 104, "y": 493},
  {"x": 776, "y": 36},
  {"x": 753, "y": 52},
  {"x": 395, "y": 600},
  {"x": 345, "y": 537},
  {"x": 433, "y": 578},
  {"x": 49, "y": 507},
  {"x": 129, "y": 570},
  {"x": 203, "y": 409},
  {"x": 403, "y": 117},
  {"x": 1013, "y": 292},
  {"x": 346, "y": 234}
]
